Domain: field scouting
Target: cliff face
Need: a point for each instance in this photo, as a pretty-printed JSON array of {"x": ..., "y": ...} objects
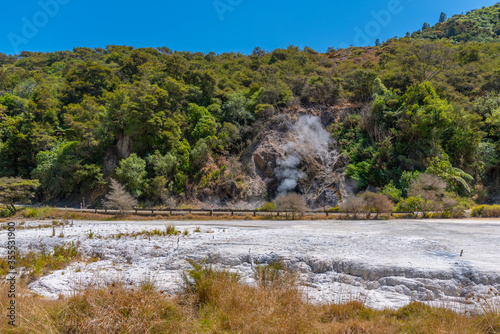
[{"x": 298, "y": 154}]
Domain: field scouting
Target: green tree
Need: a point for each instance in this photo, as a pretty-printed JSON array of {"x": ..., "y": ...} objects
[
  {"x": 16, "y": 190},
  {"x": 132, "y": 172},
  {"x": 236, "y": 109},
  {"x": 183, "y": 154},
  {"x": 442, "y": 17},
  {"x": 200, "y": 154},
  {"x": 87, "y": 78},
  {"x": 163, "y": 165},
  {"x": 63, "y": 173},
  {"x": 455, "y": 178},
  {"x": 392, "y": 192}
]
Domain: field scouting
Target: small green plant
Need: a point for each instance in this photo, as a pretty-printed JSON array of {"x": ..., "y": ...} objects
[
  {"x": 186, "y": 233},
  {"x": 91, "y": 234},
  {"x": 269, "y": 206}
]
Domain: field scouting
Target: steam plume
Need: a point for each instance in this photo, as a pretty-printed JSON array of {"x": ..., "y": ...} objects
[{"x": 310, "y": 139}]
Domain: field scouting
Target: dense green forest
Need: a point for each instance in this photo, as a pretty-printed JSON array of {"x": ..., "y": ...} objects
[{"x": 170, "y": 124}]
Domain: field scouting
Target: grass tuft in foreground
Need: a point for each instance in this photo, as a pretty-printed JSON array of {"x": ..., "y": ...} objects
[{"x": 216, "y": 301}]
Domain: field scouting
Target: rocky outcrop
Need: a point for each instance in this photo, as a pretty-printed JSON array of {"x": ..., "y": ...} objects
[
  {"x": 118, "y": 151},
  {"x": 297, "y": 154}
]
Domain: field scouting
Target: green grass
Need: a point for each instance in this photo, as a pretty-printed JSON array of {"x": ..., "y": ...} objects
[{"x": 38, "y": 263}]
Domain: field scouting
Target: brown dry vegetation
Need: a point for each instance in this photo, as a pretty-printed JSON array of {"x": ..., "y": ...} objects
[{"x": 215, "y": 302}]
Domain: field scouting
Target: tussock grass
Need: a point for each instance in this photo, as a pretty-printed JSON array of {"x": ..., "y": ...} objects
[
  {"x": 170, "y": 230},
  {"x": 216, "y": 301}
]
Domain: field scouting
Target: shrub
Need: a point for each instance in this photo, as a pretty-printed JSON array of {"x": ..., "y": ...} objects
[
  {"x": 269, "y": 206},
  {"x": 377, "y": 203},
  {"x": 392, "y": 192},
  {"x": 486, "y": 211},
  {"x": 5, "y": 212},
  {"x": 36, "y": 212},
  {"x": 458, "y": 212},
  {"x": 444, "y": 214},
  {"x": 410, "y": 204},
  {"x": 352, "y": 205},
  {"x": 14, "y": 190},
  {"x": 291, "y": 202},
  {"x": 118, "y": 198}
]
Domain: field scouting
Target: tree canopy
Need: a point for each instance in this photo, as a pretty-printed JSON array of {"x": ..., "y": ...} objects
[{"x": 161, "y": 118}]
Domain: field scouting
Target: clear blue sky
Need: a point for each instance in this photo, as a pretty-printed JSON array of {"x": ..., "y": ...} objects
[{"x": 208, "y": 25}]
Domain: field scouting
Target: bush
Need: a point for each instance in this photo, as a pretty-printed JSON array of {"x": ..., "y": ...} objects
[
  {"x": 445, "y": 214},
  {"x": 410, "y": 204},
  {"x": 269, "y": 206},
  {"x": 458, "y": 212},
  {"x": 392, "y": 192},
  {"x": 430, "y": 188},
  {"x": 377, "y": 203},
  {"x": 5, "y": 212},
  {"x": 352, "y": 205},
  {"x": 291, "y": 202},
  {"x": 486, "y": 211},
  {"x": 36, "y": 212},
  {"x": 334, "y": 209},
  {"x": 119, "y": 198}
]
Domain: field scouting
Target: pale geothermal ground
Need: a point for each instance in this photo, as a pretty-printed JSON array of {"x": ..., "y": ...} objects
[{"x": 383, "y": 263}]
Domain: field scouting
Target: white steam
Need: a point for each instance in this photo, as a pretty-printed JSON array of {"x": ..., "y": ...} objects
[{"x": 311, "y": 139}]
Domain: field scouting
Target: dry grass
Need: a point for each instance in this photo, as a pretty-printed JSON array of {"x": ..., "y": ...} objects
[{"x": 216, "y": 302}]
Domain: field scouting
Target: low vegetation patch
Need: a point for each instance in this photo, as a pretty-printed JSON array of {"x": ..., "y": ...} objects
[
  {"x": 216, "y": 301},
  {"x": 486, "y": 211},
  {"x": 169, "y": 230},
  {"x": 37, "y": 263}
]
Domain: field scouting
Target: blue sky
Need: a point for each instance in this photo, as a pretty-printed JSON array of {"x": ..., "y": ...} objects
[{"x": 215, "y": 25}]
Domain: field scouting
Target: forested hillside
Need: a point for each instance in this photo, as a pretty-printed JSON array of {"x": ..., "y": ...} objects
[
  {"x": 480, "y": 25},
  {"x": 174, "y": 125}
]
